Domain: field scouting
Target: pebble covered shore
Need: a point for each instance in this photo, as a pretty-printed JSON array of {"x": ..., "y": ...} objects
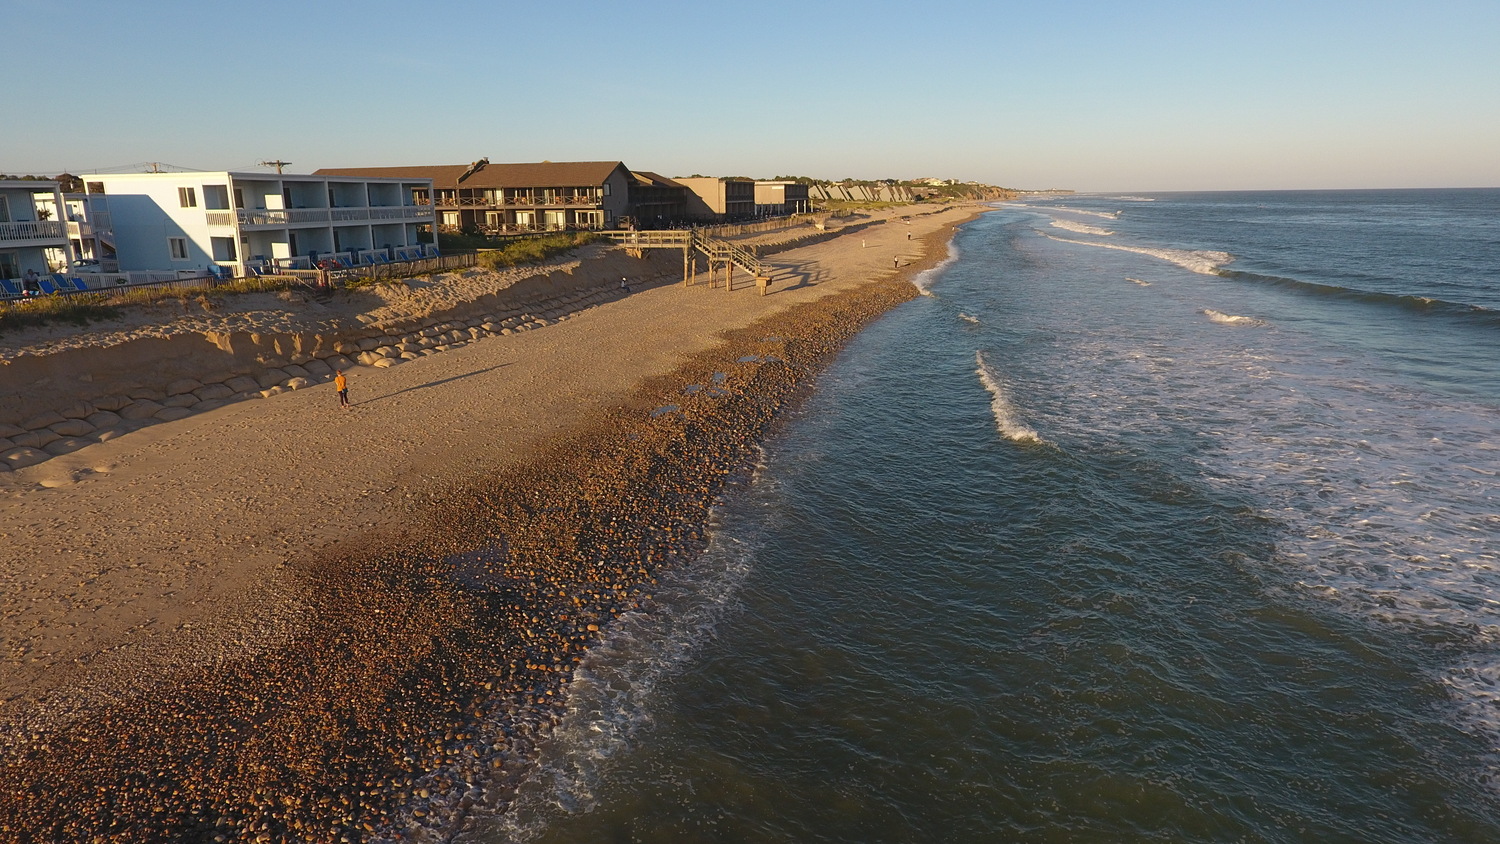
[{"x": 425, "y": 670}]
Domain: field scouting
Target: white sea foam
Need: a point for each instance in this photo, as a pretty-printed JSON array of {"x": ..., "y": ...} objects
[
  {"x": 1081, "y": 228},
  {"x": 967, "y": 318},
  {"x": 1138, "y": 281},
  {"x": 1133, "y": 198},
  {"x": 1108, "y": 215},
  {"x": 613, "y": 695},
  {"x": 1203, "y": 261},
  {"x": 925, "y": 279},
  {"x": 1006, "y": 422},
  {"x": 1231, "y": 319}
]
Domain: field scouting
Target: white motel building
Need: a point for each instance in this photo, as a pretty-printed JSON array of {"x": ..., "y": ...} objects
[{"x": 242, "y": 222}]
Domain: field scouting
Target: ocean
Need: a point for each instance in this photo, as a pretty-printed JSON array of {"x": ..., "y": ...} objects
[{"x": 1169, "y": 517}]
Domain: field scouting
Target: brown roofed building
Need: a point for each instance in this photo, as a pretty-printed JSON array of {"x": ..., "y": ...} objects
[
  {"x": 656, "y": 201},
  {"x": 497, "y": 198}
]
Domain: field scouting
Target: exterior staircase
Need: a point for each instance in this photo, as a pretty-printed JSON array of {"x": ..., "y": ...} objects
[{"x": 721, "y": 252}]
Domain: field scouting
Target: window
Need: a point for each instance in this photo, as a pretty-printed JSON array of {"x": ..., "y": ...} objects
[
  {"x": 187, "y": 197},
  {"x": 94, "y": 187},
  {"x": 178, "y": 247},
  {"x": 4, "y": 209},
  {"x": 223, "y": 248},
  {"x": 10, "y": 265},
  {"x": 606, "y": 188}
]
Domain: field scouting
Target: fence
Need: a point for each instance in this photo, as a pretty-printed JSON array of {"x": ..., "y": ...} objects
[{"x": 149, "y": 286}]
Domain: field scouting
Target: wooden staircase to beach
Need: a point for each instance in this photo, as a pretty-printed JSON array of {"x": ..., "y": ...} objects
[{"x": 720, "y": 253}]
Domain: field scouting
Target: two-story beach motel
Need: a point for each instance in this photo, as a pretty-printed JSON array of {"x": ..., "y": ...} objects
[{"x": 236, "y": 222}]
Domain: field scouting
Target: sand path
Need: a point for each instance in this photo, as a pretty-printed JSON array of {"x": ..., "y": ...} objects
[{"x": 167, "y": 545}]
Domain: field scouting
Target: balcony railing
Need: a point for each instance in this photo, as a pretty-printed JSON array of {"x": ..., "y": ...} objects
[
  {"x": 34, "y": 230},
  {"x": 525, "y": 201},
  {"x": 293, "y": 216}
]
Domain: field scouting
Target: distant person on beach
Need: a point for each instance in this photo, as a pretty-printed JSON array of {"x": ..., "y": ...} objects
[
  {"x": 342, "y": 383},
  {"x": 624, "y": 284}
]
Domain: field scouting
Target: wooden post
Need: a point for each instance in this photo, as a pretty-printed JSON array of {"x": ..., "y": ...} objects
[
  {"x": 685, "y": 266},
  {"x": 728, "y": 275},
  {"x": 762, "y": 282}
]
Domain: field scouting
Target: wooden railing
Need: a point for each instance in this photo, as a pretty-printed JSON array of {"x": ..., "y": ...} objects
[{"x": 33, "y": 230}]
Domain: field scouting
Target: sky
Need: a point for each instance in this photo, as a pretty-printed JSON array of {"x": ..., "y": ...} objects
[{"x": 1092, "y": 96}]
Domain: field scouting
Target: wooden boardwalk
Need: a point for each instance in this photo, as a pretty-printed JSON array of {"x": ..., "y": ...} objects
[{"x": 720, "y": 253}]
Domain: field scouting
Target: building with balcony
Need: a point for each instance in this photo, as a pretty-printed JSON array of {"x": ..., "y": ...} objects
[
  {"x": 239, "y": 222},
  {"x": 499, "y": 198},
  {"x": 715, "y": 199},
  {"x": 780, "y": 198},
  {"x": 33, "y": 234},
  {"x": 656, "y": 201}
]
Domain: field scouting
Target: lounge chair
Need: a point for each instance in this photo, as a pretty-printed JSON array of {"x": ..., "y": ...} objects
[
  {"x": 48, "y": 288},
  {"x": 10, "y": 287},
  {"x": 82, "y": 285}
]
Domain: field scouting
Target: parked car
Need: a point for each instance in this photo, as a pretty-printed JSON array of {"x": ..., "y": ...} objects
[{"x": 85, "y": 265}]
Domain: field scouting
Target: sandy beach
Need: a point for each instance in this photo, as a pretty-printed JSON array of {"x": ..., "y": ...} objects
[{"x": 276, "y": 619}]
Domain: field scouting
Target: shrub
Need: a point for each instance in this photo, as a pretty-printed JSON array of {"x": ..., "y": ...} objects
[{"x": 533, "y": 250}]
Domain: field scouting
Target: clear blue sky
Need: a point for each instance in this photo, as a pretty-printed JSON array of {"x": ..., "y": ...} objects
[{"x": 1067, "y": 93}]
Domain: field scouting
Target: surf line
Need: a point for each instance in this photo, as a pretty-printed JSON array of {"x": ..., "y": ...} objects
[
  {"x": 1204, "y": 262},
  {"x": 1004, "y": 412}
]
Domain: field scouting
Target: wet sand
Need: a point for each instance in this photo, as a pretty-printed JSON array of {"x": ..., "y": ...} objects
[{"x": 283, "y": 621}]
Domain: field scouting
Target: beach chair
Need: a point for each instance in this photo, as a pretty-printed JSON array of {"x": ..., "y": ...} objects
[
  {"x": 48, "y": 287},
  {"x": 10, "y": 287},
  {"x": 79, "y": 283},
  {"x": 346, "y": 261}
]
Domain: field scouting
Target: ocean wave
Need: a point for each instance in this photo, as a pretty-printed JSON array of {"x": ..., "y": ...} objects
[
  {"x": 924, "y": 280},
  {"x": 1420, "y": 304},
  {"x": 1128, "y": 198},
  {"x": 1081, "y": 228},
  {"x": 1231, "y": 319},
  {"x": 1206, "y": 262},
  {"x": 1005, "y": 415},
  {"x": 1108, "y": 215},
  {"x": 967, "y": 318},
  {"x": 1138, "y": 281}
]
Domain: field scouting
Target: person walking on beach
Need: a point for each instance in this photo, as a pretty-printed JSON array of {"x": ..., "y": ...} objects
[{"x": 342, "y": 384}]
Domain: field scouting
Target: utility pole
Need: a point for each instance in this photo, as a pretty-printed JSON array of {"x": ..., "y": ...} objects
[{"x": 278, "y": 164}]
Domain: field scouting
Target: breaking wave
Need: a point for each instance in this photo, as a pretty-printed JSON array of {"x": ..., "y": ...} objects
[
  {"x": 1108, "y": 215},
  {"x": 1204, "y": 261},
  {"x": 1081, "y": 228},
  {"x": 924, "y": 280},
  {"x": 1231, "y": 319},
  {"x": 1006, "y": 422}
]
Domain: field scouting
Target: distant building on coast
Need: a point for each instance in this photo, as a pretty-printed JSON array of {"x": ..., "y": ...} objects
[
  {"x": 233, "y": 221},
  {"x": 499, "y": 198},
  {"x": 33, "y": 234},
  {"x": 716, "y": 199},
  {"x": 777, "y": 198},
  {"x": 849, "y": 192},
  {"x": 656, "y": 201}
]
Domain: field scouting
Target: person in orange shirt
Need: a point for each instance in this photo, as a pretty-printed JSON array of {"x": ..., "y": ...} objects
[{"x": 342, "y": 384}]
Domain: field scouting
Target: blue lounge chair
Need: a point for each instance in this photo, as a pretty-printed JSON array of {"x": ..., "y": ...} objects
[
  {"x": 48, "y": 288},
  {"x": 82, "y": 285},
  {"x": 10, "y": 287}
]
